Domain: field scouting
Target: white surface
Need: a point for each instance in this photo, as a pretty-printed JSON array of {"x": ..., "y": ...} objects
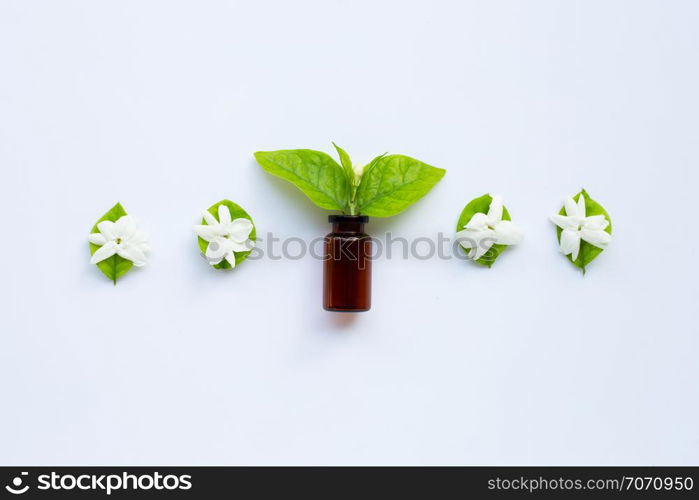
[{"x": 160, "y": 105}]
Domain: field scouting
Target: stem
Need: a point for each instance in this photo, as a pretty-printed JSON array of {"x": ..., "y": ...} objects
[
  {"x": 353, "y": 210},
  {"x": 114, "y": 258}
]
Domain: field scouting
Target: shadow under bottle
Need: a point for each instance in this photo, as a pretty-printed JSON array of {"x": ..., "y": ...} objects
[{"x": 347, "y": 265}]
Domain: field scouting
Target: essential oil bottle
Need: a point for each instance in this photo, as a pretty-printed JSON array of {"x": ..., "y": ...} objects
[{"x": 347, "y": 265}]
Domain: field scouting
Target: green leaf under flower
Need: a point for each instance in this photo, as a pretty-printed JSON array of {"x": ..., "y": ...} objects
[
  {"x": 588, "y": 252},
  {"x": 115, "y": 266},
  {"x": 482, "y": 205},
  {"x": 237, "y": 212}
]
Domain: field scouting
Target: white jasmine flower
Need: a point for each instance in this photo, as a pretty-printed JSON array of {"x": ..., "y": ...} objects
[
  {"x": 576, "y": 227},
  {"x": 225, "y": 236},
  {"x": 122, "y": 238},
  {"x": 358, "y": 169},
  {"x": 485, "y": 230}
]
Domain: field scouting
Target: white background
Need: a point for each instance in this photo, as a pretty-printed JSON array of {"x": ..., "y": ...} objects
[{"x": 160, "y": 105}]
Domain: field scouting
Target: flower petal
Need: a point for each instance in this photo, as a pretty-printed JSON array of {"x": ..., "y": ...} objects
[
  {"x": 581, "y": 206},
  {"x": 217, "y": 250},
  {"x": 97, "y": 238},
  {"x": 596, "y": 237},
  {"x": 564, "y": 222},
  {"x": 209, "y": 218},
  {"x": 571, "y": 207},
  {"x": 507, "y": 233},
  {"x": 495, "y": 210},
  {"x": 479, "y": 242},
  {"x": 570, "y": 242},
  {"x": 595, "y": 222},
  {"x": 140, "y": 238},
  {"x": 478, "y": 222},
  {"x": 132, "y": 253},
  {"x": 245, "y": 246},
  {"x": 208, "y": 233},
  {"x": 106, "y": 227},
  {"x": 103, "y": 252},
  {"x": 240, "y": 229},
  {"x": 224, "y": 215},
  {"x": 465, "y": 240},
  {"x": 230, "y": 257},
  {"x": 125, "y": 227},
  {"x": 484, "y": 245}
]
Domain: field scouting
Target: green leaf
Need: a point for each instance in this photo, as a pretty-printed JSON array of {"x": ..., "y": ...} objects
[
  {"x": 392, "y": 183},
  {"x": 374, "y": 161},
  {"x": 115, "y": 266},
  {"x": 236, "y": 213},
  {"x": 482, "y": 205},
  {"x": 588, "y": 252},
  {"x": 346, "y": 163},
  {"x": 313, "y": 172}
]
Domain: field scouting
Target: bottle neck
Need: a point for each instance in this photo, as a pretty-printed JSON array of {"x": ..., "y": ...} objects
[
  {"x": 348, "y": 227},
  {"x": 348, "y": 224}
]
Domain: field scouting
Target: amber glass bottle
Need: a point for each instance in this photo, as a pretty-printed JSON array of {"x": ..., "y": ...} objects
[{"x": 347, "y": 265}]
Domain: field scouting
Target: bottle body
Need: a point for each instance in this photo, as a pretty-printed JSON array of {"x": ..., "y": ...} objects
[{"x": 347, "y": 265}]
